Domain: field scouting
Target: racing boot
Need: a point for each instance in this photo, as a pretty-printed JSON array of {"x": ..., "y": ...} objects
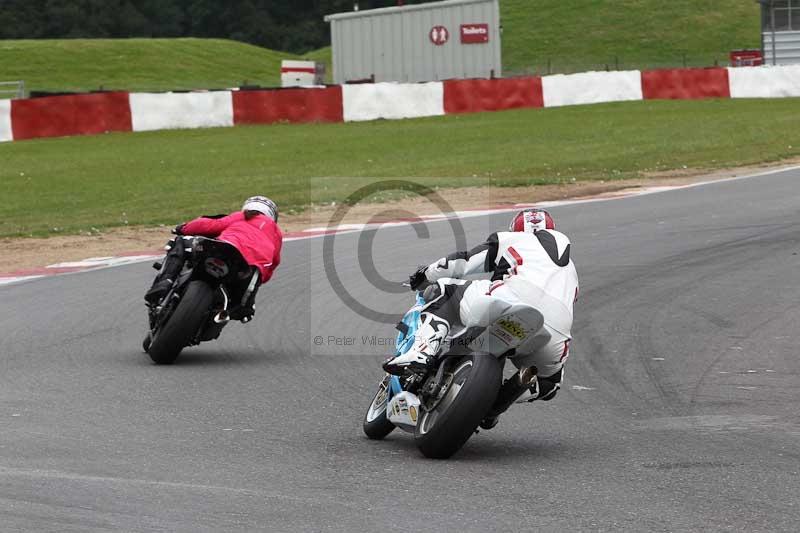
[
  {"x": 428, "y": 341},
  {"x": 170, "y": 268},
  {"x": 244, "y": 313},
  {"x": 512, "y": 389},
  {"x": 159, "y": 289}
]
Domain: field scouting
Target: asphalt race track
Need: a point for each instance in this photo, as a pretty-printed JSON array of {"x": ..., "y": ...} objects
[{"x": 680, "y": 407}]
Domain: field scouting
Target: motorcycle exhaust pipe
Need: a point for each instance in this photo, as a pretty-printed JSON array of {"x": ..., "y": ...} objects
[
  {"x": 527, "y": 376},
  {"x": 223, "y": 315}
]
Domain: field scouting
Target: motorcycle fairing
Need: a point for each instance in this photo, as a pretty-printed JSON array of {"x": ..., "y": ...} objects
[
  {"x": 403, "y": 410},
  {"x": 520, "y": 324}
]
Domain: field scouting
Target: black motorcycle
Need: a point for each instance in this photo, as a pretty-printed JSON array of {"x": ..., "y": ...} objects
[{"x": 214, "y": 286}]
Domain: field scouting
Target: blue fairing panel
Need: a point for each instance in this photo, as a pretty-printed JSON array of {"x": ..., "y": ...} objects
[{"x": 411, "y": 320}]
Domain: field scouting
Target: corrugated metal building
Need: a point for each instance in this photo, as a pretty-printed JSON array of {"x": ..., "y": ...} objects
[
  {"x": 424, "y": 42},
  {"x": 780, "y": 31}
]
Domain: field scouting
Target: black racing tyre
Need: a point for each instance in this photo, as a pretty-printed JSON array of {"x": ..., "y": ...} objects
[
  {"x": 376, "y": 425},
  {"x": 183, "y": 325},
  {"x": 441, "y": 432},
  {"x": 148, "y": 339}
]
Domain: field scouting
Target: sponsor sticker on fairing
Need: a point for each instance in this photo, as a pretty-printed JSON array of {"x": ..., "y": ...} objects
[
  {"x": 510, "y": 332},
  {"x": 513, "y": 327},
  {"x": 403, "y": 410}
]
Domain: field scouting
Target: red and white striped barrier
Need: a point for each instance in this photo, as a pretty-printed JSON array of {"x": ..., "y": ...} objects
[
  {"x": 771, "y": 82},
  {"x": 97, "y": 113},
  {"x": 5, "y": 121},
  {"x": 288, "y": 105},
  {"x": 168, "y": 111},
  {"x": 685, "y": 84},
  {"x": 592, "y": 88},
  {"x": 371, "y": 101},
  {"x": 62, "y": 116},
  {"x": 471, "y": 96}
]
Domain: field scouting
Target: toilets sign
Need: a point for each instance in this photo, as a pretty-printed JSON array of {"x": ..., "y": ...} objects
[
  {"x": 439, "y": 35},
  {"x": 474, "y": 33}
]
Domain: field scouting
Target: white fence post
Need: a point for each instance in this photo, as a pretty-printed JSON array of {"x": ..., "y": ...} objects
[{"x": 15, "y": 88}]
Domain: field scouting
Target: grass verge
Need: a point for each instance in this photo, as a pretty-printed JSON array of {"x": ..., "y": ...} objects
[
  {"x": 72, "y": 185},
  {"x": 578, "y": 35},
  {"x": 138, "y": 64}
]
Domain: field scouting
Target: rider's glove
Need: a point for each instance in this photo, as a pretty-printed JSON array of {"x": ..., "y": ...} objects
[
  {"x": 417, "y": 280},
  {"x": 178, "y": 230}
]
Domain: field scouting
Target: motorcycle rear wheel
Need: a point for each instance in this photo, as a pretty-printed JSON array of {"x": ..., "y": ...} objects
[
  {"x": 183, "y": 325},
  {"x": 443, "y": 430},
  {"x": 376, "y": 425}
]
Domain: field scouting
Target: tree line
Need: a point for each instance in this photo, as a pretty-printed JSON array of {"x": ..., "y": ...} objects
[{"x": 288, "y": 25}]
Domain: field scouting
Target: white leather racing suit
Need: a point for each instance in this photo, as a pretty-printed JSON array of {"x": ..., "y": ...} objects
[{"x": 531, "y": 268}]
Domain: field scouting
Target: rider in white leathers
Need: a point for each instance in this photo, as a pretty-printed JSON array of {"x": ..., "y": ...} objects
[{"x": 529, "y": 264}]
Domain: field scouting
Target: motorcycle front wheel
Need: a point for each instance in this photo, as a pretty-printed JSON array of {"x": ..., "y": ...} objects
[
  {"x": 470, "y": 392},
  {"x": 376, "y": 425}
]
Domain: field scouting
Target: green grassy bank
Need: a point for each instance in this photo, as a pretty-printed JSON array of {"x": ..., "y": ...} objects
[
  {"x": 138, "y": 64},
  {"x": 74, "y": 184}
]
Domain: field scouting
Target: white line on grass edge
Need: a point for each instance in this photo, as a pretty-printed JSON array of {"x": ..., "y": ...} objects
[{"x": 354, "y": 228}]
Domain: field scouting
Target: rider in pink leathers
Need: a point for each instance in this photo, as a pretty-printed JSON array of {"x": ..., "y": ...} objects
[
  {"x": 253, "y": 231},
  {"x": 530, "y": 264}
]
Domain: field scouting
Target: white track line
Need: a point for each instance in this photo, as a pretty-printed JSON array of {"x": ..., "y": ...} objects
[{"x": 100, "y": 263}]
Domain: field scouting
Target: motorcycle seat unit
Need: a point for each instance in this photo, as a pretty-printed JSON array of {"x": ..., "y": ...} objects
[{"x": 520, "y": 324}]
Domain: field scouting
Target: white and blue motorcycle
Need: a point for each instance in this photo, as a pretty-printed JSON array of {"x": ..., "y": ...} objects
[{"x": 444, "y": 407}]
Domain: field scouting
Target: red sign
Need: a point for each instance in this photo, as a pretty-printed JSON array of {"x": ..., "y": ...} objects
[
  {"x": 746, "y": 58},
  {"x": 474, "y": 33},
  {"x": 439, "y": 35}
]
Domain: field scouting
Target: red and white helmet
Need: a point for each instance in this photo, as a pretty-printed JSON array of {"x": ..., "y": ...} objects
[{"x": 530, "y": 220}]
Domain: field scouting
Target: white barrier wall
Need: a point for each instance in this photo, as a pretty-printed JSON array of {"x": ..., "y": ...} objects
[
  {"x": 181, "y": 110},
  {"x": 392, "y": 101},
  {"x": 5, "y": 121},
  {"x": 592, "y": 88},
  {"x": 764, "y": 82}
]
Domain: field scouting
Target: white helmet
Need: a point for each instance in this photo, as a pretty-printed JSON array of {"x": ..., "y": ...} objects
[
  {"x": 262, "y": 204},
  {"x": 532, "y": 219}
]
